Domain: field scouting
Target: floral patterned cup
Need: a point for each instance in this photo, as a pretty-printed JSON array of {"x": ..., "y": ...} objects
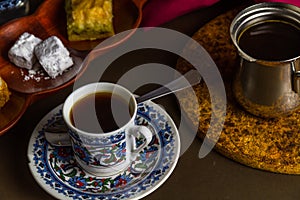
[{"x": 105, "y": 154}]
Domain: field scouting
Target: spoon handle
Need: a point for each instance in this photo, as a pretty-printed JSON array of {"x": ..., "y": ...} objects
[{"x": 189, "y": 79}]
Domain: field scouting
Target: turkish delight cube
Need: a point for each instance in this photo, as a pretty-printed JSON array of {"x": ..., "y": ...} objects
[
  {"x": 22, "y": 52},
  {"x": 53, "y": 56}
]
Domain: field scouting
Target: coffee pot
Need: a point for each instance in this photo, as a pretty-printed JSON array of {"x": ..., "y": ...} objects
[{"x": 267, "y": 87}]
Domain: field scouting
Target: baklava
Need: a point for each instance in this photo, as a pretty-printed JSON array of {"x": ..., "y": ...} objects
[
  {"x": 4, "y": 93},
  {"x": 89, "y": 19}
]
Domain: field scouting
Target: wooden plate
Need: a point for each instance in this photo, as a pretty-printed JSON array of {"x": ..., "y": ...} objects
[
  {"x": 49, "y": 20},
  {"x": 13, "y": 110}
]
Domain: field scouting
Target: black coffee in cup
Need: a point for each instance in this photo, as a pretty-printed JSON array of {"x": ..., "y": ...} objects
[{"x": 111, "y": 112}]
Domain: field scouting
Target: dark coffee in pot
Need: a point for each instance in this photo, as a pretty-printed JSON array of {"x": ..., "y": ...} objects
[
  {"x": 271, "y": 41},
  {"x": 94, "y": 113}
]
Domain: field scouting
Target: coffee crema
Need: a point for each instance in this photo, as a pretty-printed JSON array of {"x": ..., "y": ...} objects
[
  {"x": 271, "y": 41},
  {"x": 95, "y": 114}
]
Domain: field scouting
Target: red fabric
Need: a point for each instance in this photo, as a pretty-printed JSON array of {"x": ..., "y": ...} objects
[
  {"x": 157, "y": 12},
  {"x": 293, "y": 2}
]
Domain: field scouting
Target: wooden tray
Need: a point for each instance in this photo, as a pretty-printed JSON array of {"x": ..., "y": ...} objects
[
  {"x": 50, "y": 20},
  {"x": 267, "y": 144}
]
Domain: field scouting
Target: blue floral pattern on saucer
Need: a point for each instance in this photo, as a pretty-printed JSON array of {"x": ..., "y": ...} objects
[{"x": 56, "y": 170}]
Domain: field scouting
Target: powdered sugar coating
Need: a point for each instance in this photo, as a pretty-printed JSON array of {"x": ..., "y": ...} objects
[
  {"x": 22, "y": 52},
  {"x": 53, "y": 56}
]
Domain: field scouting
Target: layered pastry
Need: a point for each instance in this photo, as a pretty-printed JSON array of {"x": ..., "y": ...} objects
[
  {"x": 89, "y": 19},
  {"x": 4, "y": 93}
]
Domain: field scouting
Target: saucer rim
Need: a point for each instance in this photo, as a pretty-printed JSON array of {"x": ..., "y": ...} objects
[{"x": 54, "y": 193}]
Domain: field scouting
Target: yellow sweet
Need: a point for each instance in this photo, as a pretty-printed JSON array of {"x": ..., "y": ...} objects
[
  {"x": 89, "y": 19},
  {"x": 4, "y": 92}
]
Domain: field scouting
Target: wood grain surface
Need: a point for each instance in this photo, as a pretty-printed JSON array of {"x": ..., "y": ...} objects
[{"x": 50, "y": 20}]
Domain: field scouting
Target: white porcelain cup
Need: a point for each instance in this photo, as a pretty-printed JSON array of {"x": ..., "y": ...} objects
[{"x": 105, "y": 153}]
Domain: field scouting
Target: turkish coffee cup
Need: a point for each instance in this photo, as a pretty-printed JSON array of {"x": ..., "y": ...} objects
[{"x": 101, "y": 124}]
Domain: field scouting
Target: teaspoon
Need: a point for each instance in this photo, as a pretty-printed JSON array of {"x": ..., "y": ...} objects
[
  {"x": 189, "y": 79},
  {"x": 56, "y": 132}
]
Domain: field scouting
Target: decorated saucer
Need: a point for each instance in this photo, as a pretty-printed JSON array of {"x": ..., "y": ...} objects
[{"x": 56, "y": 171}]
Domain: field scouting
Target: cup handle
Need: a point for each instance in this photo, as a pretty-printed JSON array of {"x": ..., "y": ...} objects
[{"x": 133, "y": 134}]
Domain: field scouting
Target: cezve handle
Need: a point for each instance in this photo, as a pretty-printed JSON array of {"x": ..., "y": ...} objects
[{"x": 295, "y": 77}]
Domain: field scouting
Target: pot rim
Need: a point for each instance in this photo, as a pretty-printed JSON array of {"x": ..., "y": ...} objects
[{"x": 259, "y": 13}]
